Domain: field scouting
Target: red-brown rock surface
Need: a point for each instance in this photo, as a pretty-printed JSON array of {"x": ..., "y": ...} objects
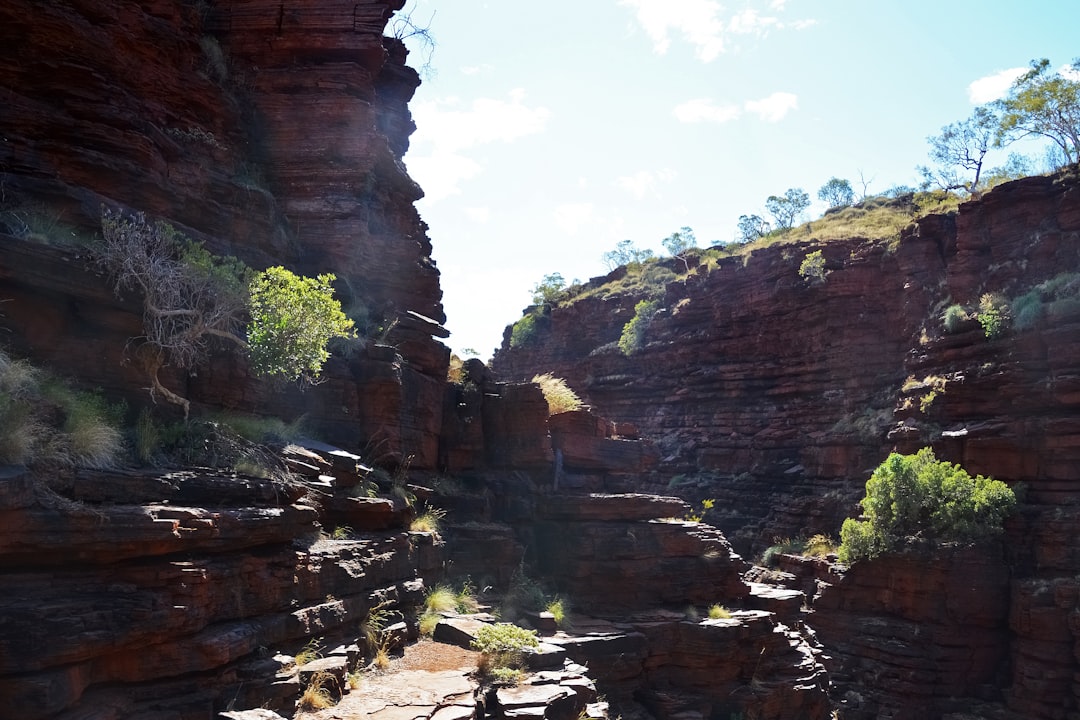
[
  {"x": 776, "y": 397},
  {"x": 269, "y": 133},
  {"x": 123, "y": 610},
  {"x": 915, "y": 633},
  {"x": 619, "y": 554}
]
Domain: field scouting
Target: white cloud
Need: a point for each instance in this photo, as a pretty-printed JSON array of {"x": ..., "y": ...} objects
[
  {"x": 477, "y": 69},
  {"x": 644, "y": 182},
  {"x": 571, "y": 216},
  {"x": 749, "y": 21},
  {"x": 695, "y": 20},
  {"x": 770, "y": 109},
  {"x": 440, "y": 174},
  {"x": 447, "y": 128},
  {"x": 705, "y": 110},
  {"x": 699, "y": 23},
  {"x": 1069, "y": 72},
  {"x": 773, "y": 108},
  {"x": 478, "y": 214},
  {"x": 995, "y": 86}
]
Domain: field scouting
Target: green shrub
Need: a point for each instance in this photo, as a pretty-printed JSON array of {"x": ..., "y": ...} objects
[
  {"x": 819, "y": 546},
  {"x": 45, "y": 420},
  {"x": 953, "y": 318},
  {"x": 918, "y": 495},
  {"x": 785, "y": 546},
  {"x": 292, "y": 320},
  {"x": 812, "y": 268},
  {"x": 632, "y": 339},
  {"x": 504, "y": 638},
  {"x": 428, "y": 521},
  {"x": 560, "y": 398},
  {"x": 719, "y": 612},
  {"x": 525, "y": 331},
  {"x": 557, "y": 608},
  {"x": 1027, "y": 309},
  {"x": 993, "y": 315}
]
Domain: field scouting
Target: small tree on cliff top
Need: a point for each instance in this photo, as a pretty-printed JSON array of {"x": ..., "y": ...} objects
[
  {"x": 920, "y": 496},
  {"x": 1044, "y": 103},
  {"x": 191, "y": 296}
]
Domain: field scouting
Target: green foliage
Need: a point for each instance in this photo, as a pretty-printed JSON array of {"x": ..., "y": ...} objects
[
  {"x": 147, "y": 437},
  {"x": 719, "y": 612},
  {"x": 632, "y": 339},
  {"x": 812, "y": 268},
  {"x": 504, "y": 638},
  {"x": 1053, "y": 297},
  {"x": 525, "y": 331},
  {"x": 994, "y": 315},
  {"x": 706, "y": 505},
  {"x": 917, "y": 495},
  {"x": 752, "y": 227},
  {"x": 784, "y": 546},
  {"x": 191, "y": 295},
  {"x": 524, "y": 593},
  {"x": 188, "y": 295},
  {"x": 1046, "y": 104},
  {"x": 292, "y": 320},
  {"x": 625, "y": 253},
  {"x": 560, "y": 398},
  {"x": 816, "y": 546},
  {"x": 1027, "y": 310},
  {"x": 261, "y": 428},
  {"x": 549, "y": 289},
  {"x": 787, "y": 208},
  {"x": 44, "y": 420},
  {"x": 41, "y": 224},
  {"x": 679, "y": 242},
  {"x": 557, "y": 608},
  {"x": 428, "y": 521},
  {"x": 313, "y": 650},
  {"x": 953, "y": 318},
  {"x": 502, "y": 647},
  {"x": 837, "y": 193}
]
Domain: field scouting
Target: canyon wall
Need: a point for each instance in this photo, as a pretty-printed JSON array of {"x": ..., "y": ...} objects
[
  {"x": 777, "y": 396},
  {"x": 269, "y": 131}
]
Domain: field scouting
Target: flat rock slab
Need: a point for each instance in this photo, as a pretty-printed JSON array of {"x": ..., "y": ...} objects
[
  {"x": 545, "y": 655},
  {"x": 628, "y": 507},
  {"x": 258, "y": 714},
  {"x": 455, "y": 712},
  {"x": 460, "y": 631},
  {"x": 526, "y": 695},
  {"x": 397, "y": 712}
]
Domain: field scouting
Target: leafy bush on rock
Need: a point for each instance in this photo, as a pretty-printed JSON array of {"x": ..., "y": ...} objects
[{"x": 920, "y": 496}]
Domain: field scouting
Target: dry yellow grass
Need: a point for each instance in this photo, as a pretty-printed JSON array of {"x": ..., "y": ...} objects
[{"x": 560, "y": 398}]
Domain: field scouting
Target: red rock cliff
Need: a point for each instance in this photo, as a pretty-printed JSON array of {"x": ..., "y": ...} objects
[
  {"x": 777, "y": 397},
  {"x": 272, "y": 131}
]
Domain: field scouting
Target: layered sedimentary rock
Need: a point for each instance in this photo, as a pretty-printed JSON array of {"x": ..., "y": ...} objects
[
  {"x": 117, "y": 606},
  {"x": 776, "y": 396},
  {"x": 269, "y": 131}
]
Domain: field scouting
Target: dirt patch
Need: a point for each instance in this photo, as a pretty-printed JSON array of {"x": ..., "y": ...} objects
[
  {"x": 433, "y": 656},
  {"x": 427, "y": 676}
]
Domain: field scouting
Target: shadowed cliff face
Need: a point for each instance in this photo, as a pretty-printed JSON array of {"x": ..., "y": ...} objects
[{"x": 272, "y": 133}]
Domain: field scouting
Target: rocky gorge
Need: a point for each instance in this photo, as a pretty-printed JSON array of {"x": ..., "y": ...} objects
[{"x": 274, "y": 132}]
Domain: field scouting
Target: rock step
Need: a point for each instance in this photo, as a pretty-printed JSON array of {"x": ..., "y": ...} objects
[
  {"x": 105, "y": 535},
  {"x": 785, "y": 603}
]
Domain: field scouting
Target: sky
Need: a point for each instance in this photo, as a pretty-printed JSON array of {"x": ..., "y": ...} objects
[{"x": 547, "y": 132}]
